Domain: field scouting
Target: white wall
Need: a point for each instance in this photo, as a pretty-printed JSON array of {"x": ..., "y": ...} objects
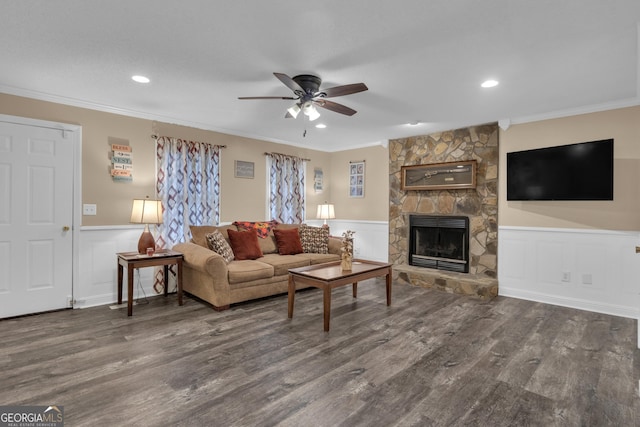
[{"x": 533, "y": 263}]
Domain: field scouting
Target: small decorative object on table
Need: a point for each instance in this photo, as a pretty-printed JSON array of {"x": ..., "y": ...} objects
[{"x": 347, "y": 250}]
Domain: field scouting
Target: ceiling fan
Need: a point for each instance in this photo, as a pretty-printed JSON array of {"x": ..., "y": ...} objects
[{"x": 306, "y": 88}]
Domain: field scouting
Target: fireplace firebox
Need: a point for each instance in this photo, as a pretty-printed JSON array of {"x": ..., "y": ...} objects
[{"x": 439, "y": 242}]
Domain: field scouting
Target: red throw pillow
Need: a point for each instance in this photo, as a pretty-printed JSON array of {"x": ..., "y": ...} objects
[
  {"x": 244, "y": 244},
  {"x": 288, "y": 241}
]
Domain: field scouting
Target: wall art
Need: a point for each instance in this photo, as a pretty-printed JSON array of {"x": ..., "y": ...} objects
[
  {"x": 439, "y": 176},
  {"x": 356, "y": 179}
]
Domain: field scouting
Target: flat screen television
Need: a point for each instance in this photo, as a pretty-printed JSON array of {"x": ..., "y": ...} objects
[{"x": 581, "y": 171}]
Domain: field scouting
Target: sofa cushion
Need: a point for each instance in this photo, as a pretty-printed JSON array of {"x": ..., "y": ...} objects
[
  {"x": 282, "y": 263},
  {"x": 245, "y": 244},
  {"x": 268, "y": 244},
  {"x": 321, "y": 258},
  {"x": 247, "y": 270},
  {"x": 199, "y": 233},
  {"x": 288, "y": 241},
  {"x": 219, "y": 245},
  {"x": 314, "y": 239},
  {"x": 262, "y": 227},
  {"x": 286, "y": 226}
]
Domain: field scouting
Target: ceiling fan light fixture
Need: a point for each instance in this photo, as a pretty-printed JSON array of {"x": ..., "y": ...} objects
[
  {"x": 310, "y": 111},
  {"x": 294, "y": 110}
]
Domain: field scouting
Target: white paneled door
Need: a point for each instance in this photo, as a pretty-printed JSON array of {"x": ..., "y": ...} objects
[{"x": 36, "y": 213}]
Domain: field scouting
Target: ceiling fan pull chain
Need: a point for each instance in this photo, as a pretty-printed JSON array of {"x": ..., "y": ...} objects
[{"x": 304, "y": 120}]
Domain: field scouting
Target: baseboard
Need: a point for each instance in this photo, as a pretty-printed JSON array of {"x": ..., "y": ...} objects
[
  {"x": 110, "y": 298},
  {"x": 611, "y": 309}
]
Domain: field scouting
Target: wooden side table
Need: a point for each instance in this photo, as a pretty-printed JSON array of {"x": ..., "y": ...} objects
[{"x": 132, "y": 260}]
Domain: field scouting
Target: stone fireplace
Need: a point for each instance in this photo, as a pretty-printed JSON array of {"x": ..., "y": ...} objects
[{"x": 478, "y": 207}]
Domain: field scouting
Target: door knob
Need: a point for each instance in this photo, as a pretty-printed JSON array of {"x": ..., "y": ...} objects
[{"x": 66, "y": 228}]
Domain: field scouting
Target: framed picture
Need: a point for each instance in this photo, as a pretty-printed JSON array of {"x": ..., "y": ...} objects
[
  {"x": 244, "y": 169},
  {"x": 356, "y": 179},
  {"x": 439, "y": 176},
  {"x": 317, "y": 180}
]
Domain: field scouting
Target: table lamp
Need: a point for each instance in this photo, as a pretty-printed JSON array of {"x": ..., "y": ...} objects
[
  {"x": 325, "y": 212},
  {"x": 146, "y": 211}
]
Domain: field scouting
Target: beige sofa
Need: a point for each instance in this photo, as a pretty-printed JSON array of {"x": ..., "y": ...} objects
[{"x": 209, "y": 277}]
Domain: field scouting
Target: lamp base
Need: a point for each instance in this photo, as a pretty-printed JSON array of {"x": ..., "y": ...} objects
[{"x": 146, "y": 241}]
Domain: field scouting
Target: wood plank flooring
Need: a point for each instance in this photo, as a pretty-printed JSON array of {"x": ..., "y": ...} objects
[{"x": 431, "y": 359}]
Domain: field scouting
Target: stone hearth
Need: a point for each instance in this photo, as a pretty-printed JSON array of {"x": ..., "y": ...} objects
[
  {"x": 473, "y": 285},
  {"x": 479, "y": 204}
]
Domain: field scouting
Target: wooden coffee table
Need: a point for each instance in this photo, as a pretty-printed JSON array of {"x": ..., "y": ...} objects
[{"x": 330, "y": 275}]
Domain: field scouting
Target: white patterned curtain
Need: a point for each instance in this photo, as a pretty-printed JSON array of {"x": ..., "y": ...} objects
[
  {"x": 286, "y": 188},
  {"x": 188, "y": 183}
]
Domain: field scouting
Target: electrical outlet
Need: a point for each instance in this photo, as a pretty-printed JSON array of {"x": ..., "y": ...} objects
[
  {"x": 566, "y": 276},
  {"x": 587, "y": 279},
  {"x": 88, "y": 209}
]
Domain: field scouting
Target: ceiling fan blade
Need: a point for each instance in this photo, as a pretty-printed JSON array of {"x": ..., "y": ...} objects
[
  {"x": 289, "y": 82},
  {"x": 345, "y": 90},
  {"x": 334, "y": 106},
  {"x": 266, "y": 97}
]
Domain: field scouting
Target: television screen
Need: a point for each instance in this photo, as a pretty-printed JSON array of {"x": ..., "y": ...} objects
[{"x": 570, "y": 172}]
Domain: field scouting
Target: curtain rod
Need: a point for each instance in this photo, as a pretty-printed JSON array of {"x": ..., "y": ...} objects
[
  {"x": 210, "y": 143},
  {"x": 288, "y": 155}
]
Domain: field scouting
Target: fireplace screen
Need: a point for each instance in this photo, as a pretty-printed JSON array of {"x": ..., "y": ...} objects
[{"x": 439, "y": 242}]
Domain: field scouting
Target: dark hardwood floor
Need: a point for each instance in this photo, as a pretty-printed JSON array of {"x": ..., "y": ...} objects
[{"x": 431, "y": 359}]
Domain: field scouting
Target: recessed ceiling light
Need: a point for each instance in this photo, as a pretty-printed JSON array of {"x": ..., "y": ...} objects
[
  {"x": 321, "y": 126},
  {"x": 140, "y": 79},
  {"x": 416, "y": 123},
  {"x": 490, "y": 83}
]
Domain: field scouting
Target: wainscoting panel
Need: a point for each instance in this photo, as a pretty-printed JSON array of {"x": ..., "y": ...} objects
[
  {"x": 98, "y": 274},
  {"x": 371, "y": 238},
  {"x": 595, "y": 270}
]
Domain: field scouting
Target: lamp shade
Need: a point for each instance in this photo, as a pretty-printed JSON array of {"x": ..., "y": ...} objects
[
  {"x": 146, "y": 211},
  {"x": 326, "y": 211},
  {"x": 310, "y": 111},
  {"x": 294, "y": 110}
]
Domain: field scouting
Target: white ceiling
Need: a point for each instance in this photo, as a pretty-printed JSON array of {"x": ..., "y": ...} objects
[{"x": 422, "y": 61}]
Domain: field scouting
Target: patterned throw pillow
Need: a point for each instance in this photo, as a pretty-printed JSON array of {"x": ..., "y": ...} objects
[
  {"x": 262, "y": 228},
  {"x": 314, "y": 240},
  {"x": 219, "y": 245}
]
